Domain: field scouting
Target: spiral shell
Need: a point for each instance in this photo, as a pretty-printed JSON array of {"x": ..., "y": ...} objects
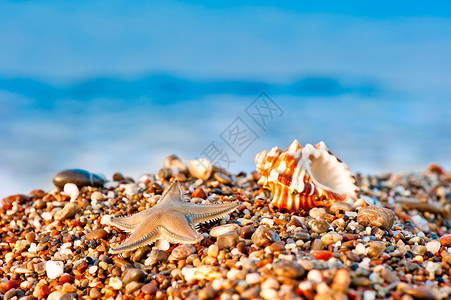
[{"x": 300, "y": 178}]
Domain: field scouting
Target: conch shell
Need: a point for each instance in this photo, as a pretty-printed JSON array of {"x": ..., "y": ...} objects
[{"x": 300, "y": 178}]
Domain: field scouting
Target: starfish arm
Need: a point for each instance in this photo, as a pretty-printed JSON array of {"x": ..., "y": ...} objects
[
  {"x": 177, "y": 228},
  {"x": 173, "y": 195},
  {"x": 208, "y": 212},
  {"x": 130, "y": 223},
  {"x": 145, "y": 233}
]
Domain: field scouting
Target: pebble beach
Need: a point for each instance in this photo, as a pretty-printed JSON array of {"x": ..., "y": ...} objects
[{"x": 394, "y": 242}]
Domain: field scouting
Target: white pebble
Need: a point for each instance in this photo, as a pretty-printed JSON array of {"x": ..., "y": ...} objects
[
  {"x": 433, "y": 246},
  {"x": 315, "y": 275},
  {"x": 369, "y": 295},
  {"x": 360, "y": 249},
  {"x": 71, "y": 190},
  {"x": 268, "y": 294},
  {"x": 162, "y": 245},
  {"x": 115, "y": 283},
  {"x": 105, "y": 220},
  {"x": 270, "y": 283},
  {"x": 32, "y": 248},
  {"x": 351, "y": 214},
  {"x": 77, "y": 243},
  {"x": 252, "y": 278},
  {"x": 54, "y": 269},
  {"x": 92, "y": 269},
  {"x": 47, "y": 216},
  {"x": 267, "y": 221}
]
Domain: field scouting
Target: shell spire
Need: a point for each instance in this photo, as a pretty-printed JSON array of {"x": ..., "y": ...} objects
[{"x": 300, "y": 178}]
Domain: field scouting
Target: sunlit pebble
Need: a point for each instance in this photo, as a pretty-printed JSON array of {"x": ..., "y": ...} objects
[
  {"x": 235, "y": 251},
  {"x": 252, "y": 278},
  {"x": 54, "y": 269},
  {"x": 71, "y": 190},
  {"x": 77, "y": 243},
  {"x": 111, "y": 184},
  {"x": 92, "y": 269},
  {"x": 360, "y": 249},
  {"x": 315, "y": 275},
  {"x": 47, "y": 216},
  {"x": 162, "y": 244},
  {"x": 267, "y": 221},
  {"x": 369, "y": 295},
  {"x": 351, "y": 214},
  {"x": 32, "y": 248},
  {"x": 105, "y": 220},
  {"x": 130, "y": 189}
]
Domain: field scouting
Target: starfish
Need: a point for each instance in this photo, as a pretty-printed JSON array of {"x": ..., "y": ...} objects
[{"x": 171, "y": 219}]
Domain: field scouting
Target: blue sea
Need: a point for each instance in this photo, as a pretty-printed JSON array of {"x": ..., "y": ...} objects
[{"x": 119, "y": 87}]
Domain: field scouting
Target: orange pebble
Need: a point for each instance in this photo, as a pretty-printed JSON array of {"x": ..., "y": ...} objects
[
  {"x": 322, "y": 254},
  {"x": 445, "y": 240}
]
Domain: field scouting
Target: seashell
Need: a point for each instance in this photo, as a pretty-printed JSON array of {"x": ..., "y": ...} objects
[
  {"x": 373, "y": 216},
  {"x": 301, "y": 178},
  {"x": 200, "y": 168}
]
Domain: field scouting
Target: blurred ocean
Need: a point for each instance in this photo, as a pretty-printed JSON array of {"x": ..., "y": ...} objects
[{"x": 109, "y": 89}]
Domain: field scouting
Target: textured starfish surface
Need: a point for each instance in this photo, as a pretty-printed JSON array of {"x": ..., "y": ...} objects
[{"x": 171, "y": 219}]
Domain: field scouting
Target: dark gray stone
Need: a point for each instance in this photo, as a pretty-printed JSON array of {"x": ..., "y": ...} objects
[{"x": 78, "y": 177}]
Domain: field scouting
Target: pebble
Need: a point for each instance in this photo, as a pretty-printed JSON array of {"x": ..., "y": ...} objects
[
  {"x": 263, "y": 236},
  {"x": 446, "y": 240},
  {"x": 213, "y": 250},
  {"x": 79, "y": 177},
  {"x": 69, "y": 210},
  {"x": 288, "y": 269},
  {"x": 173, "y": 161},
  {"x": 317, "y": 244},
  {"x": 200, "y": 168},
  {"x": 199, "y": 193},
  {"x": 158, "y": 255},
  {"x": 322, "y": 254},
  {"x": 162, "y": 244},
  {"x": 54, "y": 295},
  {"x": 133, "y": 275},
  {"x": 252, "y": 278},
  {"x": 133, "y": 286},
  {"x": 183, "y": 251},
  {"x": 227, "y": 240},
  {"x": 223, "y": 229},
  {"x": 433, "y": 246},
  {"x": 115, "y": 283},
  {"x": 317, "y": 212},
  {"x": 375, "y": 249},
  {"x": 54, "y": 269},
  {"x": 222, "y": 178},
  {"x": 318, "y": 225},
  {"x": 376, "y": 217},
  {"x": 247, "y": 231},
  {"x": 94, "y": 293},
  {"x": 96, "y": 234},
  {"x": 149, "y": 288},
  {"x": 331, "y": 238},
  {"x": 71, "y": 190}
]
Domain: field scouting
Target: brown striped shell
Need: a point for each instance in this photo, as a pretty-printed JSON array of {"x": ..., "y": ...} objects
[{"x": 300, "y": 178}]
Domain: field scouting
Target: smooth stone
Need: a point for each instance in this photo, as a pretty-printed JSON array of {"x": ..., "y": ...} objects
[
  {"x": 446, "y": 240},
  {"x": 318, "y": 225},
  {"x": 79, "y": 177},
  {"x": 247, "y": 231},
  {"x": 263, "y": 236},
  {"x": 72, "y": 190},
  {"x": 322, "y": 254},
  {"x": 199, "y": 193},
  {"x": 68, "y": 296},
  {"x": 96, "y": 234},
  {"x": 331, "y": 238},
  {"x": 53, "y": 295},
  {"x": 69, "y": 210},
  {"x": 149, "y": 288},
  {"x": 162, "y": 244},
  {"x": 213, "y": 250},
  {"x": 317, "y": 244},
  {"x": 140, "y": 253},
  {"x": 159, "y": 255},
  {"x": 373, "y": 216},
  {"x": 133, "y": 286},
  {"x": 420, "y": 293},
  {"x": 288, "y": 269},
  {"x": 222, "y": 178},
  {"x": 54, "y": 269},
  {"x": 341, "y": 280},
  {"x": 227, "y": 240},
  {"x": 433, "y": 246},
  {"x": 223, "y": 229},
  {"x": 183, "y": 251},
  {"x": 133, "y": 275},
  {"x": 94, "y": 293}
]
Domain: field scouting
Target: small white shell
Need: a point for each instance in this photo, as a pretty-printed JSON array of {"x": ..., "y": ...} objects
[{"x": 304, "y": 177}]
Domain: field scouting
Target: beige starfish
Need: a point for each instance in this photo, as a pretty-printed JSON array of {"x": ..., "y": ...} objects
[{"x": 170, "y": 219}]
